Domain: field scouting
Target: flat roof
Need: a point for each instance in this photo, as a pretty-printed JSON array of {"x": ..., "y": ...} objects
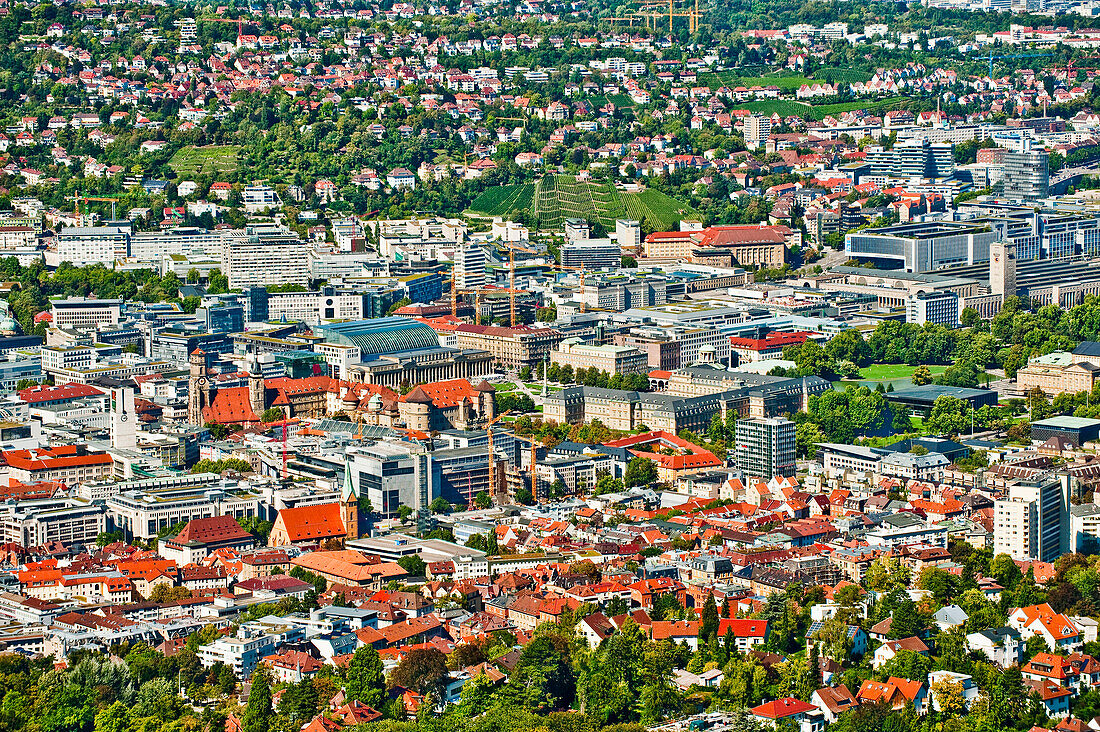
[{"x": 1073, "y": 423}]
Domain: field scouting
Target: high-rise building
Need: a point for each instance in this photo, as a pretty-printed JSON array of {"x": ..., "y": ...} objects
[
  {"x": 591, "y": 254},
  {"x": 469, "y": 267},
  {"x": 1031, "y": 521},
  {"x": 1027, "y": 175},
  {"x": 757, "y": 129},
  {"x": 628, "y": 233},
  {"x": 766, "y": 447},
  {"x": 941, "y": 308},
  {"x": 914, "y": 158},
  {"x": 264, "y": 255},
  {"x": 1002, "y": 268},
  {"x": 123, "y": 418}
]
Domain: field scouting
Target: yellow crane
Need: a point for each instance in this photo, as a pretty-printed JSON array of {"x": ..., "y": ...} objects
[
  {"x": 534, "y": 459},
  {"x": 512, "y": 248},
  {"x": 575, "y": 269},
  {"x": 77, "y": 199}
]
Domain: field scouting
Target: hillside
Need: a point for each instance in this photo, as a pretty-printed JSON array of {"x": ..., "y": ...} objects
[{"x": 558, "y": 197}]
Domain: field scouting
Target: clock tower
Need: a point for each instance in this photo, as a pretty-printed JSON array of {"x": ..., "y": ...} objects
[{"x": 198, "y": 387}]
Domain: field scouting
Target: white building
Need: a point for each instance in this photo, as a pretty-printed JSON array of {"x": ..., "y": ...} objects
[
  {"x": 1031, "y": 521},
  {"x": 261, "y": 256},
  {"x": 82, "y": 245}
]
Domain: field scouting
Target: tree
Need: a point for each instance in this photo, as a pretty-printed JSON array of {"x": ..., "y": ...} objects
[
  {"x": 483, "y": 500},
  {"x": 640, "y": 471},
  {"x": 413, "y": 564},
  {"x": 422, "y": 670},
  {"x": 708, "y": 628},
  {"x": 257, "y": 713},
  {"x": 907, "y": 621},
  {"x": 949, "y": 416},
  {"x": 440, "y": 505},
  {"x": 272, "y": 414},
  {"x": 366, "y": 680},
  {"x": 922, "y": 375}
]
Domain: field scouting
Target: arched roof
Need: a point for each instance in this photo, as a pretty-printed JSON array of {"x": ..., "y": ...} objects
[{"x": 382, "y": 335}]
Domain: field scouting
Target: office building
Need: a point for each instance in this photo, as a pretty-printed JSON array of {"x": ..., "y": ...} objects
[
  {"x": 757, "y": 129},
  {"x": 941, "y": 308},
  {"x": 264, "y": 255},
  {"x": 469, "y": 267},
  {"x": 82, "y": 314},
  {"x": 1027, "y": 175},
  {"x": 577, "y": 229},
  {"x": 590, "y": 254},
  {"x": 766, "y": 447},
  {"x": 1031, "y": 520},
  {"x": 922, "y": 247},
  {"x": 83, "y": 245},
  {"x": 628, "y": 233},
  {"x": 392, "y": 475}
]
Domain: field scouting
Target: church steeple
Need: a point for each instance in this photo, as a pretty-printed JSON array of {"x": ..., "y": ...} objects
[{"x": 349, "y": 500}]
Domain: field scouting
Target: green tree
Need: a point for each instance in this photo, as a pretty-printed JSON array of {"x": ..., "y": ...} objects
[
  {"x": 257, "y": 712},
  {"x": 483, "y": 500},
  {"x": 922, "y": 375},
  {"x": 366, "y": 680},
  {"x": 640, "y": 471}
]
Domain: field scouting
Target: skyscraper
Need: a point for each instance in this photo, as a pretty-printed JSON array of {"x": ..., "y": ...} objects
[
  {"x": 1027, "y": 175},
  {"x": 469, "y": 266},
  {"x": 766, "y": 447},
  {"x": 757, "y": 129},
  {"x": 1031, "y": 521}
]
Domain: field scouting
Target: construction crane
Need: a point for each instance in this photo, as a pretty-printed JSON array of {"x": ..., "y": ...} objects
[
  {"x": 238, "y": 21},
  {"x": 575, "y": 269},
  {"x": 512, "y": 248},
  {"x": 656, "y": 11},
  {"x": 492, "y": 455},
  {"x": 1014, "y": 55},
  {"x": 534, "y": 458},
  {"x": 77, "y": 198}
]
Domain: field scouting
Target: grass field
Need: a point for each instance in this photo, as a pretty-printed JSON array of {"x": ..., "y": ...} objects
[
  {"x": 558, "y": 197},
  {"x": 889, "y": 371},
  {"x": 212, "y": 160}
]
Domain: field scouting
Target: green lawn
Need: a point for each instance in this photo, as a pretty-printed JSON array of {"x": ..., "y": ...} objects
[{"x": 888, "y": 371}]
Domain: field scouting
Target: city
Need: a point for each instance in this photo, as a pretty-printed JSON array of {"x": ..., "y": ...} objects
[{"x": 485, "y": 366}]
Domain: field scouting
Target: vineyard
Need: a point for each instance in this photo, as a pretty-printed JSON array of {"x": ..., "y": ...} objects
[
  {"x": 558, "y": 197},
  {"x": 208, "y": 160}
]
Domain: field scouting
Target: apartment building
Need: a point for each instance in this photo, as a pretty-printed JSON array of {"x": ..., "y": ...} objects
[{"x": 766, "y": 447}]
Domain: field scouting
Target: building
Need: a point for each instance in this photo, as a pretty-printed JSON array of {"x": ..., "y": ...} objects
[
  {"x": 628, "y": 234},
  {"x": 394, "y": 351},
  {"x": 1027, "y": 175},
  {"x": 766, "y": 447},
  {"x": 922, "y": 247},
  {"x": 512, "y": 348},
  {"x": 921, "y": 399},
  {"x": 611, "y": 359},
  {"x": 914, "y": 159},
  {"x": 631, "y": 410},
  {"x": 202, "y": 537},
  {"x": 83, "y": 314},
  {"x": 1058, "y": 372},
  {"x": 41, "y": 522},
  {"x": 392, "y": 475},
  {"x": 265, "y": 255},
  {"x": 469, "y": 267},
  {"x": 757, "y": 129},
  {"x": 83, "y": 245},
  {"x": 1077, "y": 430},
  {"x": 1031, "y": 520},
  {"x": 940, "y": 308},
  {"x": 589, "y": 254},
  {"x": 1002, "y": 269}
]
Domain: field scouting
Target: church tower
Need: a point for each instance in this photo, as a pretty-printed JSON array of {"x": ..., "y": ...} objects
[
  {"x": 349, "y": 504},
  {"x": 256, "y": 389},
  {"x": 198, "y": 390}
]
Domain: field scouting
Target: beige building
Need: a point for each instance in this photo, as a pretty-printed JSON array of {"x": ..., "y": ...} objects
[
  {"x": 1057, "y": 373},
  {"x": 612, "y": 359},
  {"x": 511, "y": 348}
]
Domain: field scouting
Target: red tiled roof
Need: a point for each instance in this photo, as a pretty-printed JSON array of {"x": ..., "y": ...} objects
[
  {"x": 305, "y": 523},
  {"x": 210, "y": 530}
]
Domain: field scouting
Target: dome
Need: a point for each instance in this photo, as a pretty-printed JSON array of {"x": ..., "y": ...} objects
[
  {"x": 418, "y": 396},
  {"x": 485, "y": 386},
  {"x": 381, "y": 335},
  {"x": 375, "y": 403},
  {"x": 349, "y": 398},
  {"x": 9, "y": 325}
]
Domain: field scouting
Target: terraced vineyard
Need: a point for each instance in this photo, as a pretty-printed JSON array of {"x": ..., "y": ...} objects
[
  {"x": 211, "y": 160},
  {"x": 558, "y": 197}
]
